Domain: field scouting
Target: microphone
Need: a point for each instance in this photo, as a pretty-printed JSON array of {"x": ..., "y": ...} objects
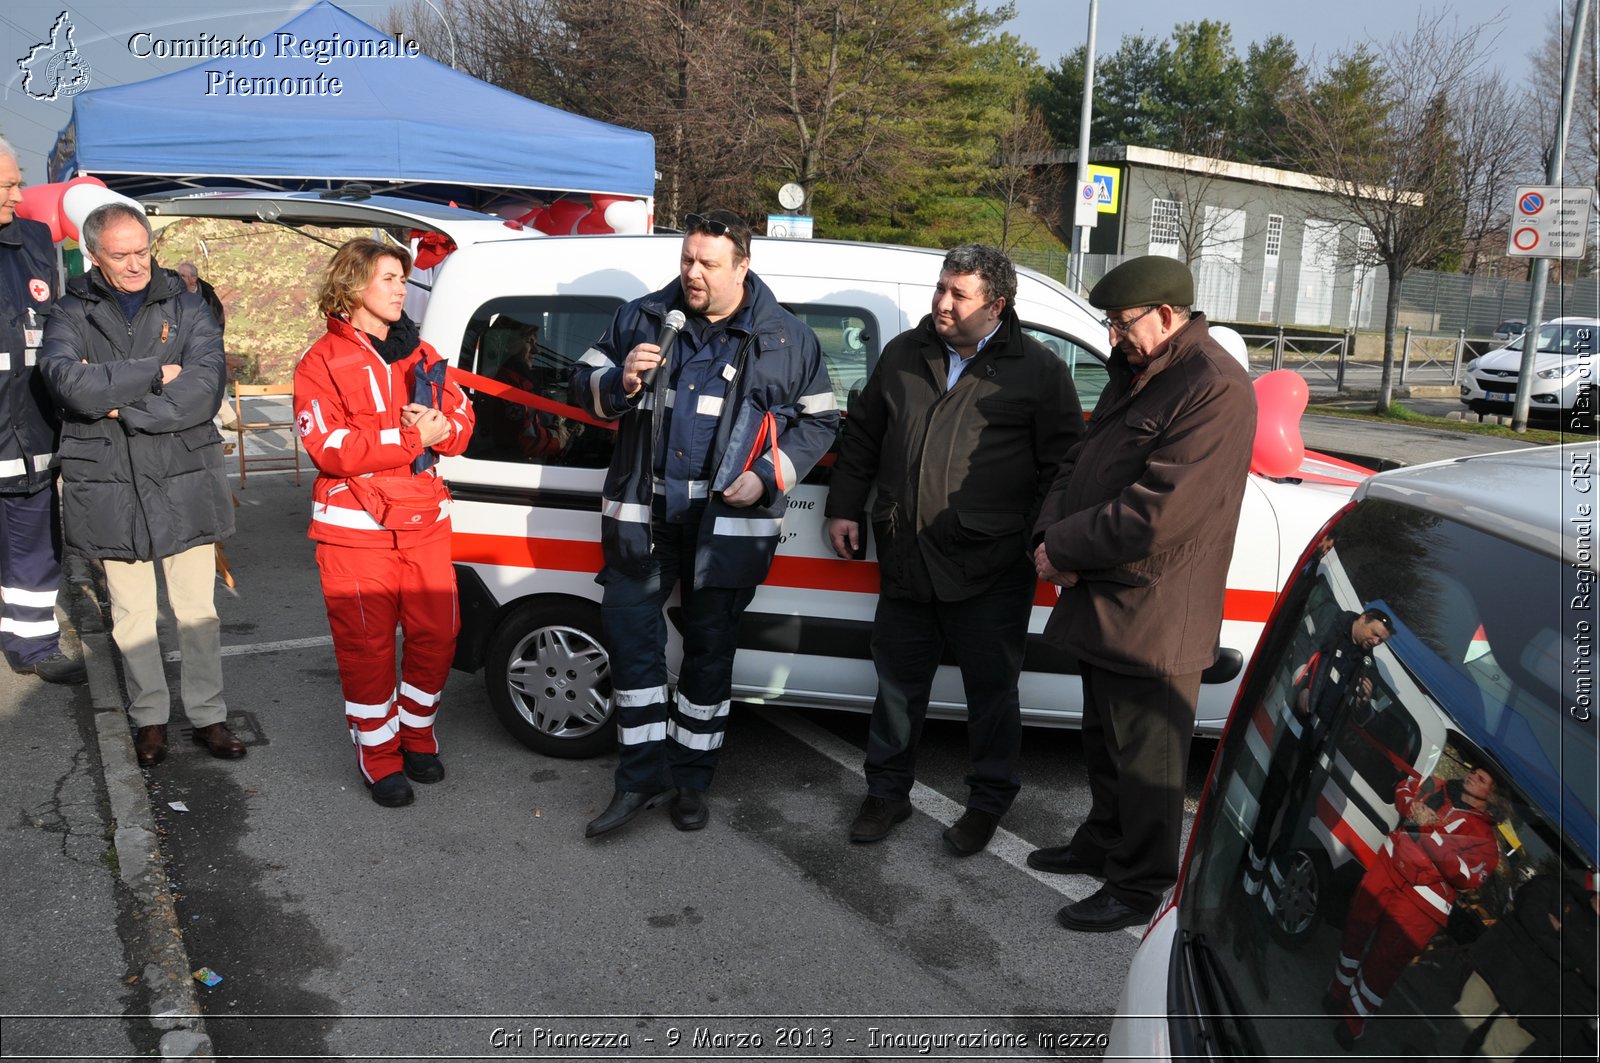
[{"x": 669, "y": 336}]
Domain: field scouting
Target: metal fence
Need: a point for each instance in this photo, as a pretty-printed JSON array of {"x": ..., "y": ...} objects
[
  {"x": 1433, "y": 304},
  {"x": 1349, "y": 362}
]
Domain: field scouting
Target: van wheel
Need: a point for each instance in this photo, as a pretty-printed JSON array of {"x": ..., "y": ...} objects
[
  {"x": 1300, "y": 899},
  {"x": 549, "y": 680}
]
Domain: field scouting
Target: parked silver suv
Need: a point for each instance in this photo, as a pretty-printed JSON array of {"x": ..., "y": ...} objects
[{"x": 1395, "y": 854}]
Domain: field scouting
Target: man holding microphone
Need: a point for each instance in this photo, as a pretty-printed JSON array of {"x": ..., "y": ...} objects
[{"x": 714, "y": 430}]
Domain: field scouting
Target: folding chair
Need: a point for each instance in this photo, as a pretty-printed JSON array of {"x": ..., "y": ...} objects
[{"x": 244, "y": 424}]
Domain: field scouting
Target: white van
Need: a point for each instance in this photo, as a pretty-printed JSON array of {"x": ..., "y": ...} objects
[{"x": 526, "y": 515}]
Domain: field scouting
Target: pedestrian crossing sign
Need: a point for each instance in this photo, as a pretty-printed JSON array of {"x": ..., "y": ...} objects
[{"x": 1108, "y": 180}]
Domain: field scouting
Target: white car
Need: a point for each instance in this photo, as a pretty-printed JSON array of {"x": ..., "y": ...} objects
[
  {"x": 526, "y": 511},
  {"x": 1486, "y": 567},
  {"x": 1564, "y": 371}
]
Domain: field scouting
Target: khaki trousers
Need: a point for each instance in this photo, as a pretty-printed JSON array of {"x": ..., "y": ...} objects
[{"x": 191, "y": 579}]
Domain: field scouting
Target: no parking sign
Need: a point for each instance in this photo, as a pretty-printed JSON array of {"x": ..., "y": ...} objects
[{"x": 1549, "y": 221}]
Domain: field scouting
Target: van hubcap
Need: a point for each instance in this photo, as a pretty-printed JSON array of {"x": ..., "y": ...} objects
[{"x": 560, "y": 682}]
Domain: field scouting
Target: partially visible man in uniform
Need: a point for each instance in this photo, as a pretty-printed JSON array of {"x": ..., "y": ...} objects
[
  {"x": 1334, "y": 678},
  {"x": 1138, "y": 532},
  {"x": 961, "y": 428},
  {"x": 135, "y": 364},
  {"x": 695, "y": 494},
  {"x": 30, "y": 535}
]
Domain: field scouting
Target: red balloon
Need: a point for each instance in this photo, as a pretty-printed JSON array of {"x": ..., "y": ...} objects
[
  {"x": 593, "y": 224},
  {"x": 42, "y": 203},
  {"x": 561, "y": 217},
  {"x": 1280, "y": 400}
]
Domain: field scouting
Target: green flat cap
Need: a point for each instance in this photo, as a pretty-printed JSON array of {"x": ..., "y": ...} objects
[{"x": 1150, "y": 280}]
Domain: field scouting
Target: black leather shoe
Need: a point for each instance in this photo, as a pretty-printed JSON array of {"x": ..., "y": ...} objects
[
  {"x": 877, "y": 818},
  {"x": 422, "y": 767},
  {"x": 1099, "y": 913},
  {"x": 1058, "y": 860},
  {"x": 392, "y": 791},
  {"x": 56, "y": 668},
  {"x": 625, "y": 804},
  {"x": 150, "y": 745},
  {"x": 971, "y": 833},
  {"x": 689, "y": 811}
]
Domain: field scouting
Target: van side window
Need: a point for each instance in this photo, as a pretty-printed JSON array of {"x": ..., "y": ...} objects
[
  {"x": 531, "y": 343},
  {"x": 1089, "y": 374},
  {"x": 849, "y": 337}
]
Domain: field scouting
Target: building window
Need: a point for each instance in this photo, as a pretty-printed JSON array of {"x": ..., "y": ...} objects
[
  {"x": 1166, "y": 223},
  {"x": 1268, "y": 310}
]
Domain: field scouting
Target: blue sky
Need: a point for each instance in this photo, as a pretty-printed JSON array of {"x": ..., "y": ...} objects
[{"x": 1055, "y": 27}]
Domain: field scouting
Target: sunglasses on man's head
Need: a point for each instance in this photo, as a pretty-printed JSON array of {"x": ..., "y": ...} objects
[{"x": 710, "y": 226}]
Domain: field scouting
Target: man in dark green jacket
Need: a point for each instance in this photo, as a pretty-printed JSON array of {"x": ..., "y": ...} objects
[{"x": 960, "y": 429}]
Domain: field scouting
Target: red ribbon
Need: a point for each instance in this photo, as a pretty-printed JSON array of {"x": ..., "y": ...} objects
[
  {"x": 499, "y": 390},
  {"x": 769, "y": 425}
]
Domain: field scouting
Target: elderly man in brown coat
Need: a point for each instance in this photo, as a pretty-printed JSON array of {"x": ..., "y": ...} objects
[{"x": 1138, "y": 532}]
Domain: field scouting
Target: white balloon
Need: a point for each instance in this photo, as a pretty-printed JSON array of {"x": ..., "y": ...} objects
[
  {"x": 1233, "y": 343},
  {"x": 82, "y": 200},
  {"x": 626, "y": 216}
]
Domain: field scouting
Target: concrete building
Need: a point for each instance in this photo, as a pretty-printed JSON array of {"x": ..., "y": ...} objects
[{"x": 1266, "y": 245}]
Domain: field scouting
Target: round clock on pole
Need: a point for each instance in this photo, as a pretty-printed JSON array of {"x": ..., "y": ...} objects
[{"x": 791, "y": 195}]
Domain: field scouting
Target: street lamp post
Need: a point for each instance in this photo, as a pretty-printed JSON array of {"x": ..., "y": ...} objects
[
  {"x": 1541, "y": 266},
  {"x": 1080, "y": 233}
]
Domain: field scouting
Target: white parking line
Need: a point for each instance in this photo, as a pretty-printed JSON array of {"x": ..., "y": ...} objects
[
  {"x": 931, "y": 803},
  {"x": 277, "y": 647}
]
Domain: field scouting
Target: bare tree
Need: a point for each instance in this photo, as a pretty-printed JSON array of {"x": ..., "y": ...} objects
[
  {"x": 1493, "y": 152},
  {"x": 1543, "y": 98},
  {"x": 1024, "y": 193},
  {"x": 1386, "y": 154},
  {"x": 676, "y": 69}
]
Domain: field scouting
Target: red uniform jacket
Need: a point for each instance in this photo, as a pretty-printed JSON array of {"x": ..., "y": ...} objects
[
  {"x": 1457, "y": 851},
  {"x": 347, "y": 405}
]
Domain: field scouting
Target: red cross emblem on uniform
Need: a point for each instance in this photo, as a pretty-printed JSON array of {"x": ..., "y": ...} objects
[{"x": 39, "y": 290}]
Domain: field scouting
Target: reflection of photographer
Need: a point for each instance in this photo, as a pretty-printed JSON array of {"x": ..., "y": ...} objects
[
  {"x": 1334, "y": 676},
  {"x": 529, "y": 433}
]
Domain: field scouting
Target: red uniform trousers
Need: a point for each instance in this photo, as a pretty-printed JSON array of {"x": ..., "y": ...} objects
[
  {"x": 1388, "y": 925},
  {"x": 370, "y": 591}
]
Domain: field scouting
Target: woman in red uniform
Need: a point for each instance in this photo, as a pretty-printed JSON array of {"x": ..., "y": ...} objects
[{"x": 374, "y": 411}]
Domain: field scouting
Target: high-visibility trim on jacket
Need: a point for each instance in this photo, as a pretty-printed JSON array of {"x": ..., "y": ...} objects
[
  {"x": 347, "y": 406},
  {"x": 780, "y": 373},
  {"x": 28, "y": 422}
]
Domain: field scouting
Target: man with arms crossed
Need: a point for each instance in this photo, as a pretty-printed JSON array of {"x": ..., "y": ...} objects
[{"x": 135, "y": 362}]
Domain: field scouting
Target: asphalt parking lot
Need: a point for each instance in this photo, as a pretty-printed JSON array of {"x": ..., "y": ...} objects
[
  {"x": 479, "y": 923},
  {"x": 340, "y": 928}
]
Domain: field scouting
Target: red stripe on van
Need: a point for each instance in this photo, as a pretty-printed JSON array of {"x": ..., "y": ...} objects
[
  {"x": 1343, "y": 830},
  {"x": 519, "y": 551},
  {"x": 810, "y": 573}
]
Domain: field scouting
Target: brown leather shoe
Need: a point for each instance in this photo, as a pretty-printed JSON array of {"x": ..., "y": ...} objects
[
  {"x": 150, "y": 745},
  {"x": 220, "y": 741}
]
